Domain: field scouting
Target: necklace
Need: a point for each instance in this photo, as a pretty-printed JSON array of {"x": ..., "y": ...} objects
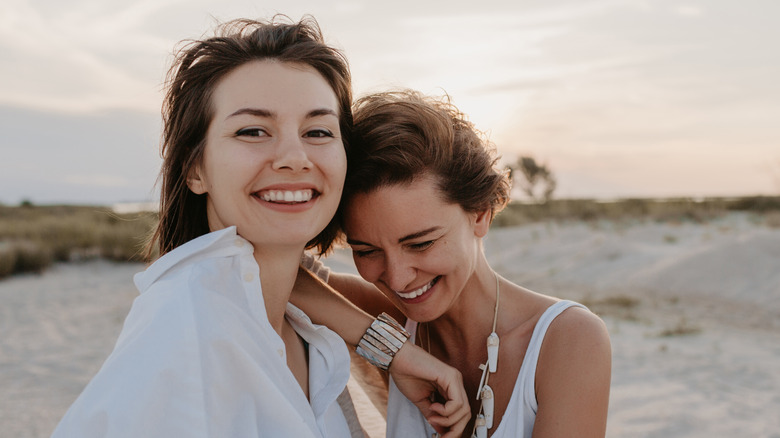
[{"x": 484, "y": 418}]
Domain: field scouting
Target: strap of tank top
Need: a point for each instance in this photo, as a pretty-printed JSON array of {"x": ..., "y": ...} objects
[{"x": 528, "y": 369}]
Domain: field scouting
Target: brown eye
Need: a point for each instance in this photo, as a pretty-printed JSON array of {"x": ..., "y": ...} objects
[
  {"x": 251, "y": 132},
  {"x": 318, "y": 133}
]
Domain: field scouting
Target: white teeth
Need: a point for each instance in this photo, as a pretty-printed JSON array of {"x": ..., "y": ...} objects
[
  {"x": 287, "y": 195},
  {"x": 417, "y": 292}
]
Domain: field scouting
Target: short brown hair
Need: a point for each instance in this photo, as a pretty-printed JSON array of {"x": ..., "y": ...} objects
[
  {"x": 187, "y": 110},
  {"x": 399, "y": 136}
]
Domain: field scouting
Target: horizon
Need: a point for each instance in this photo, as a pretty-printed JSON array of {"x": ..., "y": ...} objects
[{"x": 620, "y": 98}]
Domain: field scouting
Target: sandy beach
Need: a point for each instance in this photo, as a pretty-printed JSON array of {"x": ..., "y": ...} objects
[{"x": 693, "y": 310}]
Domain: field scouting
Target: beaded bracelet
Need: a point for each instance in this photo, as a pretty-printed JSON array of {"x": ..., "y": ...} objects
[{"x": 382, "y": 341}]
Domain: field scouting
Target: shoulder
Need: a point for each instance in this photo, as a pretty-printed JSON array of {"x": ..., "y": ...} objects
[
  {"x": 574, "y": 332},
  {"x": 573, "y": 376},
  {"x": 578, "y": 319},
  {"x": 576, "y": 353}
]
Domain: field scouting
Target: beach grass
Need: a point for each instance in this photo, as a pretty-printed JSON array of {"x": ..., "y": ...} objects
[
  {"x": 636, "y": 209},
  {"x": 34, "y": 237}
]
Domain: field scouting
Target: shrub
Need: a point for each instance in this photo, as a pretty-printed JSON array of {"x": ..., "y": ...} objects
[
  {"x": 64, "y": 233},
  {"x": 7, "y": 259},
  {"x": 31, "y": 257}
]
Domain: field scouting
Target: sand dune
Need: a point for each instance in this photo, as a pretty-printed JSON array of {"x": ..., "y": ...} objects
[{"x": 693, "y": 311}]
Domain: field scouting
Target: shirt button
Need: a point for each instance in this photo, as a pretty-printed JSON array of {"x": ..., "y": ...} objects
[
  {"x": 281, "y": 352},
  {"x": 239, "y": 243},
  {"x": 248, "y": 277}
]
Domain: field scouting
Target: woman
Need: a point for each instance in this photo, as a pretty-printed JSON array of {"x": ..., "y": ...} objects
[
  {"x": 253, "y": 168},
  {"x": 420, "y": 195}
]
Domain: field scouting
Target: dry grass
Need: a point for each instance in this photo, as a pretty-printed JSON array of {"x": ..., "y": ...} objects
[
  {"x": 682, "y": 328},
  {"x": 31, "y": 237},
  {"x": 678, "y": 210},
  {"x": 618, "y": 306}
]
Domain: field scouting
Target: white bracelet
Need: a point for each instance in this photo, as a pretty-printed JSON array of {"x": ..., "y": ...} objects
[{"x": 382, "y": 341}]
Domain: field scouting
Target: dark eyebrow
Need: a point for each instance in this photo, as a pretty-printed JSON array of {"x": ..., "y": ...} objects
[
  {"x": 401, "y": 240},
  {"x": 418, "y": 234},
  {"x": 259, "y": 112},
  {"x": 321, "y": 112},
  {"x": 357, "y": 242},
  {"x": 253, "y": 112}
]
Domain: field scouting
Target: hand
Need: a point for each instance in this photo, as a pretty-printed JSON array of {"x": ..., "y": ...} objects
[{"x": 434, "y": 387}]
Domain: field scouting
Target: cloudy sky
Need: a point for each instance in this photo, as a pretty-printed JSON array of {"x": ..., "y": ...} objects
[{"x": 620, "y": 97}]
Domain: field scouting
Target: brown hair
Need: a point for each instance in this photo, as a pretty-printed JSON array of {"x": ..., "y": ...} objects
[
  {"x": 401, "y": 135},
  {"x": 187, "y": 110}
]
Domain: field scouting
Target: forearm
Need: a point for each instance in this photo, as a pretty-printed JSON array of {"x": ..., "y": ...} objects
[{"x": 324, "y": 305}]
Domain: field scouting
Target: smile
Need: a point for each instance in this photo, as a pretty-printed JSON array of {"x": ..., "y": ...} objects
[
  {"x": 417, "y": 292},
  {"x": 286, "y": 196}
]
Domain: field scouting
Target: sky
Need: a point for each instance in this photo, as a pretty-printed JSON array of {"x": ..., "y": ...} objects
[{"x": 620, "y": 98}]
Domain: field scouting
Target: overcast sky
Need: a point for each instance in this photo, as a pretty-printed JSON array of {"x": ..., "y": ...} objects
[{"x": 620, "y": 97}]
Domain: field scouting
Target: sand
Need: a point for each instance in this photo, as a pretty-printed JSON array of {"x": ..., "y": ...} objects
[{"x": 693, "y": 311}]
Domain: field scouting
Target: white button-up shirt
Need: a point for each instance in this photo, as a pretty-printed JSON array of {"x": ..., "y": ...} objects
[{"x": 197, "y": 357}]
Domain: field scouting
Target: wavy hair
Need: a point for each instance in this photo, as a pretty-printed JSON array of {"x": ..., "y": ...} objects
[
  {"x": 399, "y": 136},
  {"x": 187, "y": 110}
]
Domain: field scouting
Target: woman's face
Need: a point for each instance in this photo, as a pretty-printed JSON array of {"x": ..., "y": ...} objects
[
  {"x": 274, "y": 161},
  {"x": 418, "y": 249}
]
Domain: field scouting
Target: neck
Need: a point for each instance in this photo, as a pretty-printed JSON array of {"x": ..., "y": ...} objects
[
  {"x": 278, "y": 270},
  {"x": 464, "y": 327}
]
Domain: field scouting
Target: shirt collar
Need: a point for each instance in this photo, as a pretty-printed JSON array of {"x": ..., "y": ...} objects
[{"x": 217, "y": 243}]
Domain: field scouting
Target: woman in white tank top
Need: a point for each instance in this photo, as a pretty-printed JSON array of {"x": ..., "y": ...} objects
[{"x": 421, "y": 192}]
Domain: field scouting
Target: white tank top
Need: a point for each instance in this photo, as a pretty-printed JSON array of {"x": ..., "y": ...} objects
[{"x": 404, "y": 420}]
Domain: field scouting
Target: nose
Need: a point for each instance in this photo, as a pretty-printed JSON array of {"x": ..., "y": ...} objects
[
  {"x": 399, "y": 273},
  {"x": 291, "y": 154}
]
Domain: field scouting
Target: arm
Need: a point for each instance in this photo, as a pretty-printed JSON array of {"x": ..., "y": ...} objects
[
  {"x": 308, "y": 296},
  {"x": 364, "y": 295},
  {"x": 573, "y": 377},
  {"x": 324, "y": 305},
  {"x": 418, "y": 375}
]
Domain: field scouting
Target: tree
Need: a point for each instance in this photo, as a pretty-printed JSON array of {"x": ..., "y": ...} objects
[{"x": 537, "y": 182}]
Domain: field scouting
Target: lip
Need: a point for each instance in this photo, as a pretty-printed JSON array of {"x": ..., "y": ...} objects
[{"x": 431, "y": 286}]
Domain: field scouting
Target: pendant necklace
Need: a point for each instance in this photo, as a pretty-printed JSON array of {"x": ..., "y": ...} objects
[{"x": 484, "y": 419}]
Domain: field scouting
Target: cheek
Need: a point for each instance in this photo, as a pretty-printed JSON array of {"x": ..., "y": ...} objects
[
  {"x": 370, "y": 270},
  {"x": 443, "y": 260},
  {"x": 334, "y": 163}
]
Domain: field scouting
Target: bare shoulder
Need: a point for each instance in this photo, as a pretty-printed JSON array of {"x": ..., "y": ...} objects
[
  {"x": 576, "y": 350},
  {"x": 577, "y": 324},
  {"x": 576, "y": 331},
  {"x": 573, "y": 376}
]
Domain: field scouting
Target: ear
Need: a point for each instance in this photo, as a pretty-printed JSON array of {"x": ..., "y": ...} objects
[
  {"x": 482, "y": 222},
  {"x": 195, "y": 182}
]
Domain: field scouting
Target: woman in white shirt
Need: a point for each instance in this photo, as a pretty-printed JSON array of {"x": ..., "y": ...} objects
[
  {"x": 255, "y": 126},
  {"x": 421, "y": 191}
]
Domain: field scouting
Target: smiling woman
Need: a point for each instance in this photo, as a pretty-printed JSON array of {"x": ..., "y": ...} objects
[
  {"x": 254, "y": 165},
  {"x": 421, "y": 192},
  {"x": 261, "y": 164}
]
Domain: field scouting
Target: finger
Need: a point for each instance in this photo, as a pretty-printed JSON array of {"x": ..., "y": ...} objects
[
  {"x": 455, "y": 400},
  {"x": 457, "y": 421},
  {"x": 456, "y": 430},
  {"x": 451, "y": 386}
]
